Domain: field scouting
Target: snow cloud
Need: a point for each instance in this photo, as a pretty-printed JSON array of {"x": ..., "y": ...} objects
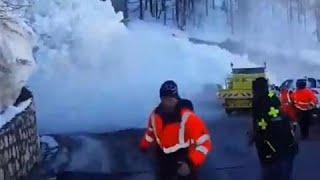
[{"x": 97, "y": 75}]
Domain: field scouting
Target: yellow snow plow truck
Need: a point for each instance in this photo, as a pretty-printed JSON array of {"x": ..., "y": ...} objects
[{"x": 237, "y": 93}]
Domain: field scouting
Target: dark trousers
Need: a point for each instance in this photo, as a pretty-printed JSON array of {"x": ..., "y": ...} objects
[
  {"x": 281, "y": 169},
  {"x": 304, "y": 122},
  {"x": 167, "y": 166}
]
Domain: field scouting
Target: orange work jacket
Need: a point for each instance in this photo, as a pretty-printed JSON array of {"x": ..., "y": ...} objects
[
  {"x": 190, "y": 133},
  {"x": 304, "y": 98},
  {"x": 287, "y": 107}
]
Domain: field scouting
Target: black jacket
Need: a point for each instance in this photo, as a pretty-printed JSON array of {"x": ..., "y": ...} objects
[{"x": 273, "y": 133}]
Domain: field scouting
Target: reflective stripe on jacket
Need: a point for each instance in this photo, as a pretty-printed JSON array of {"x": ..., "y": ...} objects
[
  {"x": 287, "y": 107},
  {"x": 304, "y": 98},
  {"x": 190, "y": 133}
]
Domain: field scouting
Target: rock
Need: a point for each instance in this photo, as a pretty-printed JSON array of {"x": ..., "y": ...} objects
[
  {"x": 10, "y": 168},
  {"x": 17, "y": 151},
  {"x": 6, "y": 143},
  {"x": 6, "y": 156},
  {"x": 17, "y": 165},
  {"x": 10, "y": 139},
  {"x": 1, "y": 145},
  {"x": 14, "y": 140},
  {"x": 9, "y": 153},
  {"x": 14, "y": 153},
  {"x": 1, "y": 174},
  {"x": 20, "y": 133},
  {"x": 27, "y": 155}
]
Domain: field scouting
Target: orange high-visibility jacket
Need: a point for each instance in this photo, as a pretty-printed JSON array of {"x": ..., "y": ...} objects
[
  {"x": 287, "y": 106},
  {"x": 303, "y": 98},
  {"x": 190, "y": 133}
]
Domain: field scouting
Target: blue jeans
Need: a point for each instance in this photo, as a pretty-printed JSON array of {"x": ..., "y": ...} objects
[{"x": 279, "y": 170}]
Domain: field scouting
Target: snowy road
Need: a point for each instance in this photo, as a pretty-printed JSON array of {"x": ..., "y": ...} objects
[{"x": 116, "y": 155}]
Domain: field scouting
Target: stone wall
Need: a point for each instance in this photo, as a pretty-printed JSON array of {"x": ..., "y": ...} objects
[{"x": 19, "y": 145}]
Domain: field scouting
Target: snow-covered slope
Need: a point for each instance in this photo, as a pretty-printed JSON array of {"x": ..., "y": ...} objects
[
  {"x": 12, "y": 111},
  {"x": 16, "y": 59},
  {"x": 96, "y": 75}
]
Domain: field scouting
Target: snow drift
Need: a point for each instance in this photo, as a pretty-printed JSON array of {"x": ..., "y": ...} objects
[
  {"x": 97, "y": 75},
  {"x": 16, "y": 59}
]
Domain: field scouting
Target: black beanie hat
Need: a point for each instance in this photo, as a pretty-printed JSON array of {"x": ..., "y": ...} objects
[{"x": 169, "y": 89}]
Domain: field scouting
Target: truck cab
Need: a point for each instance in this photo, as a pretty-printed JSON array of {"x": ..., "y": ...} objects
[{"x": 237, "y": 93}]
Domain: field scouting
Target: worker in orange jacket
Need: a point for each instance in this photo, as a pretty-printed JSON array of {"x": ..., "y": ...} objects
[
  {"x": 287, "y": 108},
  {"x": 182, "y": 139},
  {"x": 304, "y": 99}
]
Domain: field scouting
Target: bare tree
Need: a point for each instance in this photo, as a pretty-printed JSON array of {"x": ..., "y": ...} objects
[
  {"x": 141, "y": 9},
  {"x": 228, "y": 8},
  {"x": 151, "y": 7},
  {"x": 231, "y": 15},
  {"x": 164, "y": 9},
  {"x": 290, "y": 10},
  {"x": 180, "y": 13},
  {"x": 207, "y": 9},
  {"x": 184, "y": 13},
  {"x": 317, "y": 18},
  {"x": 301, "y": 11}
]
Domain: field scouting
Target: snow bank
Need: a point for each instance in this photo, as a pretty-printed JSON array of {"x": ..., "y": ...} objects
[
  {"x": 96, "y": 75},
  {"x": 12, "y": 111},
  {"x": 52, "y": 143},
  {"x": 16, "y": 59}
]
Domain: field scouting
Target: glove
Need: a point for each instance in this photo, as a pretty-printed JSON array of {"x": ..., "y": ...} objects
[
  {"x": 143, "y": 146},
  {"x": 184, "y": 169}
]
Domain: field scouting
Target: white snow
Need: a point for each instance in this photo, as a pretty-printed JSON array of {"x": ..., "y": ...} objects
[
  {"x": 16, "y": 59},
  {"x": 91, "y": 156},
  {"x": 12, "y": 111},
  {"x": 52, "y": 143},
  {"x": 97, "y": 75}
]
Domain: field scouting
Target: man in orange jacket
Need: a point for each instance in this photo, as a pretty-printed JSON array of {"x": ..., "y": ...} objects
[
  {"x": 182, "y": 138},
  {"x": 287, "y": 107},
  {"x": 304, "y": 100}
]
